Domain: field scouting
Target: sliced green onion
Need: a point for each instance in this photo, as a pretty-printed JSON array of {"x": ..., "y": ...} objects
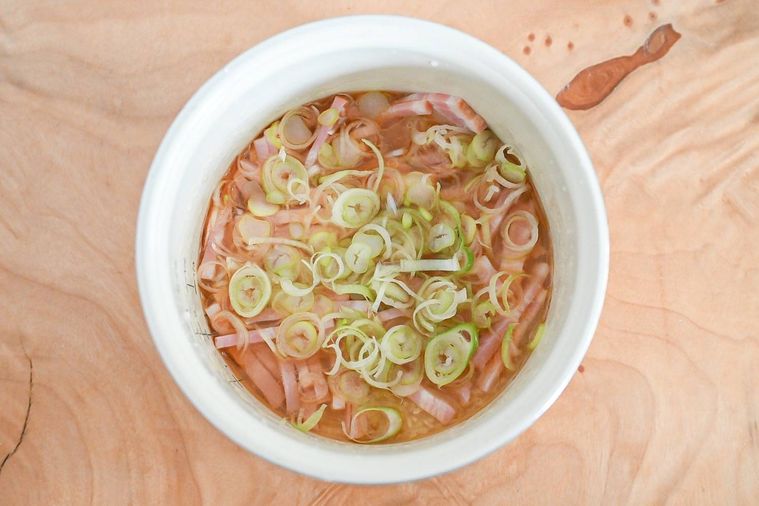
[
  {"x": 300, "y": 335},
  {"x": 328, "y": 266},
  {"x": 466, "y": 258},
  {"x": 258, "y": 206},
  {"x": 358, "y": 257},
  {"x": 327, "y": 156},
  {"x": 482, "y": 314},
  {"x": 419, "y": 191},
  {"x": 501, "y": 305},
  {"x": 456, "y": 150},
  {"x": 411, "y": 377},
  {"x": 425, "y": 214},
  {"x": 506, "y": 345},
  {"x": 283, "y": 260},
  {"x": 469, "y": 228},
  {"x": 312, "y": 420},
  {"x": 353, "y": 289},
  {"x": 532, "y": 222},
  {"x": 355, "y": 208},
  {"x": 272, "y": 135},
  {"x": 512, "y": 172},
  {"x": 431, "y": 264},
  {"x": 293, "y": 130},
  {"x": 352, "y": 387},
  {"x": 329, "y": 117},
  {"x": 407, "y": 220},
  {"x": 249, "y": 228},
  {"x": 322, "y": 239},
  {"x": 327, "y": 181},
  {"x": 451, "y": 211},
  {"x": 401, "y": 344},
  {"x": 441, "y": 237},
  {"x": 393, "y": 421},
  {"x": 378, "y": 242},
  {"x": 289, "y": 304},
  {"x": 281, "y": 240},
  {"x": 440, "y": 300},
  {"x": 393, "y": 295},
  {"x": 535, "y": 341},
  {"x": 249, "y": 290},
  {"x": 447, "y": 354},
  {"x": 380, "y": 164},
  {"x": 280, "y": 177},
  {"x": 290, "y": 288},
  {"x": 484, "y": 146}
]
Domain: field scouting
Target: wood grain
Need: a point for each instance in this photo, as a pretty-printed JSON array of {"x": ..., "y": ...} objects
[{"x": 667, "y": 408}]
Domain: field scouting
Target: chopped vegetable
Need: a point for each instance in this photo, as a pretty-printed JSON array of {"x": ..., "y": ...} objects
[
  {"x": 311, "y": 421},
  {"x": 506, "y": 347},
  {"x": 355, "y": 207},
  {"x": 535, "y": 341},
  {"x": 391, "y": 426},
  {"x": 249, "y": 290},
  {"x": 401, "y": 344},
  {"x": 448, "y": 354}
]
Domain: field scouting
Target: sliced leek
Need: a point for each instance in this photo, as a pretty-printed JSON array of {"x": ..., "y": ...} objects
[
  {"x": 401, "y": 344},
  {"x": 311, "y": 421},
  {"x": 355, "y": 207},
  {"x": 393, "y": 422},
  {"x": 506, "y": 347},
  {"x": 249, "y": 290},
  {"x": 447, "y": 355},
  {"x": 300, "y": 335}
]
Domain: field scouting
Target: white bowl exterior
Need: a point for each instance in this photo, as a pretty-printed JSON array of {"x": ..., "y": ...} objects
[{"x": 349, "y": 54}]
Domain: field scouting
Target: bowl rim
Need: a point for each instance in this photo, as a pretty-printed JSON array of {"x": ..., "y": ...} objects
[{"x": 202, "y": 400}]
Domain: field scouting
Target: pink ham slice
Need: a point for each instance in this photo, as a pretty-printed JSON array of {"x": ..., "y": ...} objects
[
  {"x": 403, "y": 109},
  {"x": 433, "y": 403},
  {"x": 463, "y": 393},
  {"x": 489, "y": 342},
  {"x": 290, "y": 384},
  {"x": 453, "y": 108},
  {"x": 263, "y": 380},
  {"x": 254, "y": 336},
  {"x": 490, "y": 373},
  {"x": 267, "y": 315}
]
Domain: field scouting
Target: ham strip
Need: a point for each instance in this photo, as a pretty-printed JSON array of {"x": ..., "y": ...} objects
[
  {"x": 254, "y": 336},
  {"x": 490, "y": 342},
  {"x": 263, "y": 380},
  {"x": 454, "y": 109},
  {"x": 434, "y": 404},
  {"x": 406, "y": 108},
  {"x": 290, "y": 384}
]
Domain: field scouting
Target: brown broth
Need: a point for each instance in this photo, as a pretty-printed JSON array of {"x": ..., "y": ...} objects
[{"x": 392, "y": 133}]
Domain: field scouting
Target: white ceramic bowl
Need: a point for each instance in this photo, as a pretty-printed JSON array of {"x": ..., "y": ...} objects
[{"x": 348, "y": 54}]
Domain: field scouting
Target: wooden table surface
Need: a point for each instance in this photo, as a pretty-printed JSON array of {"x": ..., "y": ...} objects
[{"x": 666, "y": 407}]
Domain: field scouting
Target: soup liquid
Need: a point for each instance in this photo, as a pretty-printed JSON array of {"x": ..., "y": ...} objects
[{"x": 395, "y": 138}]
